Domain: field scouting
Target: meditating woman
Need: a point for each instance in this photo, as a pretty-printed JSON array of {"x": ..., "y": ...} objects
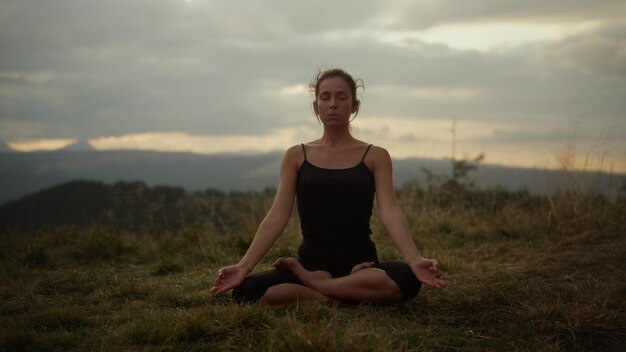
[{"x": 334, "y": 180}]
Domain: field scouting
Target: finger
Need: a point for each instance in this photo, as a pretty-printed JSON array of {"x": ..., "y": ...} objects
[
  {"x": 219, "y": 280},
  {"x": 438, "y": 283},
  {"x": 432, "y": 273},
  {"x": 219, "y": 289},
  {"x": 220, "y": 276},
  {"x": 435, "y": 283},
  {"x": 277, "y": 262}
]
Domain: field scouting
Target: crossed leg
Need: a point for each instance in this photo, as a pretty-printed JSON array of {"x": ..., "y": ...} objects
[
  {"x": 289, "y": 293},
  {"x": 284, "y": 294},
  {"x": 365, "y": 283}
]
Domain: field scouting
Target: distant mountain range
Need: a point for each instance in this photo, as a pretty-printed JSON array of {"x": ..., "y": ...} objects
[{"x": 25, "y": 173}]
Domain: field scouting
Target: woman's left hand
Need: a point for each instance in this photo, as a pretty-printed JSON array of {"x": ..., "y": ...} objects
[{"x": 427, "y": 271}]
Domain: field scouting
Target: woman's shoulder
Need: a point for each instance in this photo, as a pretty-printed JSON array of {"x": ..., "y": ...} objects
[
  {"x": 294, "y": 149},
  {"x": 378, "y": 158},
  {"x": 294, "y": 154},
  {"x": 379, "y": 153}
]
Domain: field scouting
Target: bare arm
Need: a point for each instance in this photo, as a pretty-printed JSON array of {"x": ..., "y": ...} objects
[
  {"x": 395, "y": 223},
  {"x": 270, "y": 228},
  {"x": 276, "y": 219}
]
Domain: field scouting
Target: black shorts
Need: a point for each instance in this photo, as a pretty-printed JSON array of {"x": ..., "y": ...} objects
[{"x": 255, "y": 286}]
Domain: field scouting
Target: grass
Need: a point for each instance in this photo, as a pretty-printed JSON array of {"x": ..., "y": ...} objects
[{"x": 524, "y": 273}]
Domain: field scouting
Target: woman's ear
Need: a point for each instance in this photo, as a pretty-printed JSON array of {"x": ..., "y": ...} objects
[{"x": 355, "y": 106}]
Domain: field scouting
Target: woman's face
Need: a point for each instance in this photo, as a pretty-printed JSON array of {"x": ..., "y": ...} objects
[{"x": 334, "y": 103}]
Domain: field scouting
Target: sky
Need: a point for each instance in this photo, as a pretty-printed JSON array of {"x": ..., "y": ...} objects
[{"x": 529, "y": 83}]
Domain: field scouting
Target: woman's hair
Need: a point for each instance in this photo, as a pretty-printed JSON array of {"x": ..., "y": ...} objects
[{"x": 337, "y": 72}]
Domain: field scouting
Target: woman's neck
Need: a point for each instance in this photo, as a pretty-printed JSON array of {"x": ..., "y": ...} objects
[{"x": 336, "y": 137}]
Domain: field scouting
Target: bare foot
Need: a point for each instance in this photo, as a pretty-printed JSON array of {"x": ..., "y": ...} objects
[
  {"x": 310, "y": 278},
  {"x": 361, "y": 266}
]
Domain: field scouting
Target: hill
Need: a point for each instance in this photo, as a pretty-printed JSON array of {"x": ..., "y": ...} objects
[
  {"x": 24, "y": 173},
  {"x": 524, "y": 272},
  {"x": 128, "y": 206}
]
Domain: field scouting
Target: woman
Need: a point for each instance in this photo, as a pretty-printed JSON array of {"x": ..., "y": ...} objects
[{"x": 334, "y": 180}]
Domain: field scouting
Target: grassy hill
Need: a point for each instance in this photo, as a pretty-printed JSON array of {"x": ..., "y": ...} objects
[
  {"x": 24, "y": 173},
  {"x": 525, "y": 272}
]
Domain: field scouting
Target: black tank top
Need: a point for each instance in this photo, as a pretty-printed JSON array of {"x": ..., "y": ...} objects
[{"x": 335, "y": 205}]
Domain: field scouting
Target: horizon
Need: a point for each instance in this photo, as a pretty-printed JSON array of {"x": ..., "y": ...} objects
[
  {"x": 569, "y": 163},
  {"x": 24, "y": 173}
]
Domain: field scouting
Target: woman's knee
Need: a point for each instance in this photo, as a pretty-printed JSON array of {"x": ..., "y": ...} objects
[
  {"x": 249, "y": 291},
  {"x": 403, "y": 277},
  {"x": 255, "y": 286}
]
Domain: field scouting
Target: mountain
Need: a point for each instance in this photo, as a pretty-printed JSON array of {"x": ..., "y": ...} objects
[
  {"x": 81, "y": 145},
  {"x": 25, "y": 173},
  {"x": 4, "y": 147}
]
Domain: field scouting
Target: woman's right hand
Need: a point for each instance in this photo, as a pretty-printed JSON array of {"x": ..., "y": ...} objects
[{"x": 228, "y": 277}]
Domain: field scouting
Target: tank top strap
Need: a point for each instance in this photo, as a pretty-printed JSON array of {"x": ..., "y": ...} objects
[
  {"x": 364, "y": 154},
  {"x": 303, "y": 150}
]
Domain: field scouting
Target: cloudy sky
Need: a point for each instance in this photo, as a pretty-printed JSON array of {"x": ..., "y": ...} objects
[{"x": 533, "y": 83}]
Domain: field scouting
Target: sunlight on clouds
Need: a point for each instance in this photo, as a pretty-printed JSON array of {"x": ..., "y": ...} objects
[
  {"x": 403, "y": 138},
  {"x": 426, "y": 129},
  {"x": 431, "y": 93},
  {"x": 486, "y": 36},
  {"x": 183, "y": 142},
  {"x": 448, "y": 93},
  {"x": 425, "y": 138},
  {"x": 295, "y": 90},
  {"x": 32, "y": 145}
]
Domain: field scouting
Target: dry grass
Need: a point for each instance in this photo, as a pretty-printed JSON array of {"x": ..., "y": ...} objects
[{"x": 524, "y": 273}]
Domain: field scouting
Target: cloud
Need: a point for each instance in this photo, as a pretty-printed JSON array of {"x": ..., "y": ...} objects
[
  {"x": 87, "y": 69},
  {"x": 185, "y": 142},
  {"x": 424, "y": 14},
  {"x": 602, "y": 50},
  {"x": 516, "y": 136},
  {"x": 294, "y": 90},
  {"x": 30, "y": 145}
]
